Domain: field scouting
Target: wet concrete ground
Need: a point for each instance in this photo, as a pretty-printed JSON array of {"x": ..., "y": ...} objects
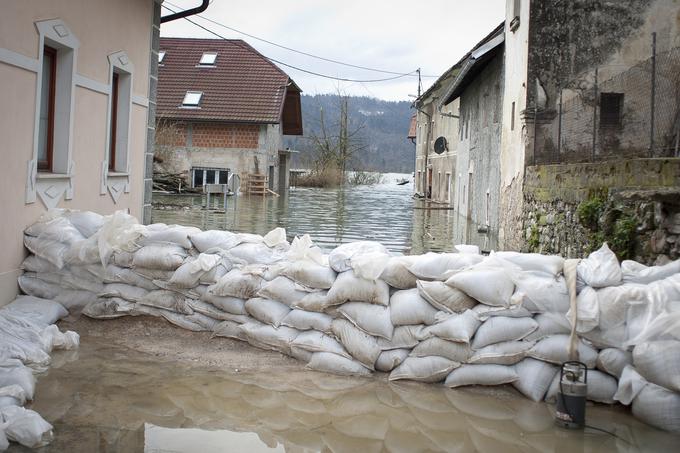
[{"x": 140, "y": 384}]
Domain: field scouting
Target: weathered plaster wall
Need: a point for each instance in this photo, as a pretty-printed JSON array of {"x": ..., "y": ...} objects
[{"x": 632, "y": 204}]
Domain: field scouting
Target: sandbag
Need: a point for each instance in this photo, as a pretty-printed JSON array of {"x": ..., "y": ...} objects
[
  {"x": 25, "y": 427},
  {"x": 310, "y": 274},
  {"x": 535, "y": 377},
  {"x": 267, "y": 311},
  {"x": 600, "y": 269},
  {"x": 361, "y": 346},
  {"x": 485, "y": 312},
  {"x": 349, "y": 287},
  {"x": 458, "y": 328},
  {"x": 404, "y": 337},
  {"x": 542, "y": 292},
  {"x": 549, "y": 264},
  {"x": 440, "y": 266},
  {"x": 366, "y": 258},
  {"x": 659, "y": 362},
  {"x": 229, "y": 329},
  {"x": 86, "y": 222},
  {"x": 284, "y": 290},
  {"x": 443, "y": 297},
  {"x": 549, "y": 324},
  {"x": 196, "y": 322},
  {"x": 481, "y": 375},
  {"x": 613, "y": 361},
  {"x": 587, "y": 310},
  {"x": 108, "y": 308},
  {"x": 634, "y": 272},
  {"x": 500, "y": 329},
  {"x": 123, "y": 291},
  {"x": 316, "y": 301},
  {"x": 396, "y": 273},
  {"x": 315, "y": 341},
  {"x": 555, "y": 349},
  {"x": 268, "y": 337},
  {"x": 167, "y": 300},
  {"x": 167, "y": 257},
  {"x": 333, "y": 363},
  {"x": 658, "y": 407},
  {"x": 237, "y": 283},
  {"x": 457, "y": 352},
  {"x": 390, "y": 359},
  {"x": 42, "y": 311},
  {"x": 307, "y": 320},
  {"x": 233, "y": 305},
  {"x": 53, "y": 338},
  {"x": 189, "y": 274},
  {"x": 34, "y": 263},
  {"x": 373, "y": 319},
  {"x": 213, "y": 312},
  {"x": 13, "y": 372},
  {"x": 407, "y": 307},
  {"x": 218, "y": 271},
  {"x": 214, "y": 239},
  {"x": 175, "y": 234},
  {"x": 254, "y": 253},
  {"x": 505, "y": 353},
  {"x": 488, "y": 285},
  {"x": 423, "y": 369}
]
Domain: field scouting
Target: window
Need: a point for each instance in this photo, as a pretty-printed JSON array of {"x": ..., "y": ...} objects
[
  {"x": 192, "y": 99},
  {"x": 448, "y": 187},
  {"x": 114, "y": 121},
  {"x": 46, "y": 125},
  {"x": 208, "y": 59},
  {"x": 200, "y": 176},
  {"x": 120, "y": 101},
  {"x": 512, "y": 117},
  {"x": 611, "y": 109},
  {"x": 161, "y": 56}
]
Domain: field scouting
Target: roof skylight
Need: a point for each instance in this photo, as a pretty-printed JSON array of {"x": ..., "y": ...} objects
[
  {"x": 192, "y": 99},
  {"x": 208, "y": 59}
]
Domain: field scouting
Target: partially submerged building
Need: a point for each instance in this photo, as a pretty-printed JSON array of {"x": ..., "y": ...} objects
[{"x": 223, "y": 108}]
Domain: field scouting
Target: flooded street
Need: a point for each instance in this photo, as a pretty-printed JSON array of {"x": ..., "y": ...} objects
[
  {"x": 106, "y": 397},
  {"x": 386, "y": 213}
]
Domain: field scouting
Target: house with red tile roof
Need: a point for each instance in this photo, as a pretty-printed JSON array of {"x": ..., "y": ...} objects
[{"x": 223, "y": 108}]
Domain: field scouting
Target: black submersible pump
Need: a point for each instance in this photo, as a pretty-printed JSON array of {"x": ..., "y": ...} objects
[{"x": 571, "y": 396}]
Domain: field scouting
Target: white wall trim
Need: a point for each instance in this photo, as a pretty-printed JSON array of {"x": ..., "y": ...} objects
[
  {"x": 91, "y": 84},
  {"x": 140, "y": 100},
  {"x": 20, "y": 61}
]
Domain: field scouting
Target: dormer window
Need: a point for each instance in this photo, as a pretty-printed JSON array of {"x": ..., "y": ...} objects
[
  {"x": 208, "y": 59},
  {"x": 161, "y": 56},
  {"x": 192, "y": 99}
]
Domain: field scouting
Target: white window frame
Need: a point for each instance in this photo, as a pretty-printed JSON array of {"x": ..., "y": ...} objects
[
  {"x": 205, "y": 170},
  {"x": 161, "y": 56},
  {"x": 117, "y": 181},
  {"x": 51, "y": 186},
  {"x": 192, "y": 105},
  {"x": 208, "y": 60}
]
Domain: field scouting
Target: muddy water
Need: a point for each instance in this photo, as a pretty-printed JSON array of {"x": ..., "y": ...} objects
[
  {"x": 107, "y": 398},
  {"x": 385, "y": 212}
]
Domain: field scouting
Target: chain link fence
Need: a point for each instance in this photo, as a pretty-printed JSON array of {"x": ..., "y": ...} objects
[{"x": 612, "y": 112}]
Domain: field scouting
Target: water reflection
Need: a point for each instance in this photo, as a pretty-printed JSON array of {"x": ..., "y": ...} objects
[
  {"x": 385, "y": 213},
  {"x": 112, "y": 399}
]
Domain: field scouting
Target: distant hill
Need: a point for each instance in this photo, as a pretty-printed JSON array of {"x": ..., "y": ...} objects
[{"x": 382, "y": 125}]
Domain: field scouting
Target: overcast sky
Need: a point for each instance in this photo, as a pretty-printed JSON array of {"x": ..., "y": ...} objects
[{"x": 396, "y": 35}]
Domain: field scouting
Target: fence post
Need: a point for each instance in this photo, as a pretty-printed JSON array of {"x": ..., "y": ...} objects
[
  {"x": 652, "y": 106},
  {"x": 559, "y": 129},
  {"x": 595, "y": 115}
]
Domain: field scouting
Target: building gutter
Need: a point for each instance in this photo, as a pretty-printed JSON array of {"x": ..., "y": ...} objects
[{"x": 187, "y": 12}]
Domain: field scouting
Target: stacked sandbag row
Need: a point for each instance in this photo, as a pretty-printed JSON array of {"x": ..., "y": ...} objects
[
  {"x": 461, "y": 318},
  {"x": 27, "y": 337}
]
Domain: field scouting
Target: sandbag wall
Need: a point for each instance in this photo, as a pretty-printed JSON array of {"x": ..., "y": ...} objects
[{"x": 457, "y": 318}]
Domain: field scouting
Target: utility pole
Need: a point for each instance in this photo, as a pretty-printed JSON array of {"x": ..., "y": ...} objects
[{"x": 419, "y": 83}]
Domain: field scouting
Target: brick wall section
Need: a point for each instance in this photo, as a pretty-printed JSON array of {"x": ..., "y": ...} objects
[{"x": 211, "y": 135}]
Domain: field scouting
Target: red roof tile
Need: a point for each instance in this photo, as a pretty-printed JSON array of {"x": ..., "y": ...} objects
[{"x": 243, "y": 86}]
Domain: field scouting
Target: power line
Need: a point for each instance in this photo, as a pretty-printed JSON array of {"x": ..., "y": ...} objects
[{"x": 330, "y": 60}]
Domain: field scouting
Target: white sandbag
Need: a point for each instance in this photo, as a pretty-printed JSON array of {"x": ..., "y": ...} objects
[
  {"x": 458, "y": 352},
  {"x": 53, "y": 226},
  {"x": 390, "y": 359},
  {"x": 373, "y": 319},
  {"x": 267, "y": 311},
  {"x": 12, "y": 395},
  {"x": 196, "y": 322},
  {"x": 167, "y": 257},
  {"x": 38, "y": 310},
  {"x": 440, "y": 266},
  {"x": 361, "y": 346},
  {"x": 276, "y": 237},
  {"x": 341, "y": 258},
  {"x": 317, "y": 302},
  {"x": 600, "y": 269},
  {"x": 333, "y": 363},
  {"x": 33, "y": 286},
  {"x": 467, "y": 248},
  {"x": 404, "y": 337},
  {"x": 284, "y": 290},
  {"x": 485, "y": 312},
  {"x": 658, "y": 407},
  {"x": 458, "y": 328},
  {"x": 120, "y": 232},
  {"x": 123, "y": 291},
  {"x": 444, "y": 297},
  {"x": 213, "y": 312},
  {"x": 236, "y": 283},
  {"x": 13, "y": 372},
  {"x": 175, "y": 234},
  {"x": 229, "y": 329},
  {"x": 500, "y": 329},
  {"x": 218, "y": 271},
  {"x": 587, "y": 310},
  {"x": 189, "y": 274},
  {"x": 481, "y": 375},
  {"x": 34, "y": 263},
  {"x": 542, "y": 292},
  {"x": 268, "y": 337},
  {"x": 600, "y": 389},
  {"x": 659, "y": 362},
  {"x": 348, "y": 287},
  {"x": 122, "y": 258},
  {"x": 233, "y": 305},
  {"x": 108, "y": 308},
  {"x": 555, "y": 349},
  {"x": 549, "y": 264},
  {"x": 86, "y": 222},
  {"x": 549, "y": 323},
  {"x": 167, "y": 300},
  {"x": 396, "y": 273},
  {"x": 310, "y": 274},
  {"x": 307, "y": 320},
  {"x": 535, "y": 377},
  {"x": 423, "y": 369},
  {"x": 634, "y": 272},
  {"x": 254, "y": 253},
  {"x": 488, "y": 285},
  {"x": 214, "y": 239},
  {"x": 129, "y": 276},
  {"x": 613, "y": 361},
  {"x": 407, "y": 307},
  {"x": 505, "y": 353},
  {"x": 25, "y": 427},
  {"x": 49, "y": 250},
  {"x": 53, "y": 338},
  {"x": 315, "y": 341}
]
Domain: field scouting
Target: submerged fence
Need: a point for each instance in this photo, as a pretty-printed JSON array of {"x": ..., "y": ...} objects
[{"x": 609, "y": 113}]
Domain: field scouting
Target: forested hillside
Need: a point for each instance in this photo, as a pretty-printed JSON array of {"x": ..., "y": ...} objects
[{"x": 378, "y": 127}]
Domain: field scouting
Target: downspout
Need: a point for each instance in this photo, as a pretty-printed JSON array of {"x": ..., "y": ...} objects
[
  {"x": 427, "y": 143},
  {"x": 187, "y": 12}
]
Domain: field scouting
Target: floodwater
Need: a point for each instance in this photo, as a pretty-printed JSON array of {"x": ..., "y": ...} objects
[
  {"x": 385, "y": 212},
  {"x": 105, "y": 398}
]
